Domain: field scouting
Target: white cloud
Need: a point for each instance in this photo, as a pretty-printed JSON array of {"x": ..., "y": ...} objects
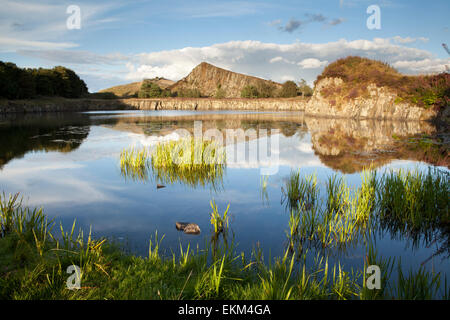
[
  {"x": 421, "y": 66},
  {"x": 74, "y": 57},
  {"x": 276, "y": 59},
  {"x": 406, "y": 40},
  {"x": 8, "y": 43},
  {"x": 312, "y": 63}
]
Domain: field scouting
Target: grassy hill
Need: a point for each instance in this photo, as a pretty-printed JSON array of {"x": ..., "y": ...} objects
[{"x": 132, "y": 89}]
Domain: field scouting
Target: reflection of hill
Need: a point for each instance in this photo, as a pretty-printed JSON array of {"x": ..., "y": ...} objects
[
  {"x": 342, "y": 144},
  {"x": 288, "y": 123},
  {"x": 346, "y": 145},
  {"x": 350, "y": 145},
  {"x": 49, "y": 132}
]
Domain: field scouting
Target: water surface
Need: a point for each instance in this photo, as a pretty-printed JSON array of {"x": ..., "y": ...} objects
[{"x": 68, "y": 163}]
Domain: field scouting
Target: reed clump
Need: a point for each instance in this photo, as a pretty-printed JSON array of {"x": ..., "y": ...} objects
[
  {"x": 412, "y": 204},
  {"x": 189, "y": 161},
  {"x": 335, "y": 221}
]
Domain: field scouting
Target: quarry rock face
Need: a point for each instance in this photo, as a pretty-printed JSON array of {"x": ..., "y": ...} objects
[
  {"x": 207, "y": 78},
  {"x": 379, "y": 104},
  {"x": 269, "y": 104}
]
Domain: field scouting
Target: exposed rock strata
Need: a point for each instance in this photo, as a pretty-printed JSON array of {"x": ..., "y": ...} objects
[
  {"x": 206, "y": 78},
  {"x": 379, "y": 104}
]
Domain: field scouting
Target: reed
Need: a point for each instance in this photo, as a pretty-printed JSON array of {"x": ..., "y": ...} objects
[
  {"x": 263, "y": 189},
  {"x": 418, "y": 285},
  {"x": 335, "y": 221},
  {"x": 415, "y": 204},
  {"x": 190, "y": 161},
  {"x": 300, "y": 192},
  {"x": 218, "y": 221},
  {"x": 134, "y": 164}
]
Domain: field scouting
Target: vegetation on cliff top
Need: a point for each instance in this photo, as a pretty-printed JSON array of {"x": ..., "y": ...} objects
[
  {"x": 289, "y": 89},
  {"x": 357, "y": 73}
]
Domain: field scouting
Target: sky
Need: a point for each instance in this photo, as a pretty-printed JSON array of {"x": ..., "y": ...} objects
[{"x": 116, "y": 41}]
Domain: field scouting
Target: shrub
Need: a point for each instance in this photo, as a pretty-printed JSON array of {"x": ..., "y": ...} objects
[
  {"x": 102, "y": 95},
  {"x": 289, "y": 89},
  {"x": 189, "y": 93},
  {"x": 220, "y": 93},
  {"x": 249, "y": 91},
  {"x": 266, "y": 89},
  {"x": 303, "y": 89}
]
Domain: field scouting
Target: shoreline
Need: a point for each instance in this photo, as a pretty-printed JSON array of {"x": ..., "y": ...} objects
[
  {"x": 87, "y": 104},
  {"x": 306, "y": 105}
]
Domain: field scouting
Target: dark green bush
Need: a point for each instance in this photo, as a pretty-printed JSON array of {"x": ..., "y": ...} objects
[
  {"x": 189, "y": 93},
  {"x": 289, "y": 89},
  {"x": 249, "y": 92}
]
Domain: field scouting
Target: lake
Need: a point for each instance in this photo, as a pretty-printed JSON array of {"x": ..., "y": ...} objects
[{"x": 69, "y": 164}]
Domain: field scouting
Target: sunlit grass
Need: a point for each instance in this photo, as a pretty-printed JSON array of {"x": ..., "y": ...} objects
[
  {"x": 413, "y": 203},
  {"x": 39, "y": 272},
  {"x": 190, "y": 161}
]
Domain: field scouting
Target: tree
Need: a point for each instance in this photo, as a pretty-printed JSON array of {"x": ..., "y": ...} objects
[
  {"x": 18, "y": 83},
  {"x": 289, "y": 89},
  {"x": 266, "y": 89},
  {"x": 303, "y": 88},
  {"x": 249, "y": 91},
  {"x": 149, "y": 89}
]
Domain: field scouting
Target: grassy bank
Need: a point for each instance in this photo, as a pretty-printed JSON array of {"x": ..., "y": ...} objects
[{"x": 35, "y": 253}]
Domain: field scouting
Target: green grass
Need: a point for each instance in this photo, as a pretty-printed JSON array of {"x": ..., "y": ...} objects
[
  {"x": 34, "y": 257},
  {"x": 411, "y": 204},
  {"x": 190, "y": 161}
]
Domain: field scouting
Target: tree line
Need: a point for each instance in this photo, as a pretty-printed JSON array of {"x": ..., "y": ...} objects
[
  {"x": 27, "y": 83},
  {"x": 289, "y": 89}
]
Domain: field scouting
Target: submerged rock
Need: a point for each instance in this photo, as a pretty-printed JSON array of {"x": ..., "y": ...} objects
[{"x": 188, "y": 228}]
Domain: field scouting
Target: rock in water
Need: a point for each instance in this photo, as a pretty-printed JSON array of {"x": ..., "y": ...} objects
[
  {"x": 181, "y": 225},
  {"x": 188, "y": 228}
]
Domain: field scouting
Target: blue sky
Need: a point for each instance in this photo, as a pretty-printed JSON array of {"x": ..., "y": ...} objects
[{"x": 124, "y": 41}]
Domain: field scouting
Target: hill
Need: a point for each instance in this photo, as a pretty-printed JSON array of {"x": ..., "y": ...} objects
[
  {"x": 212, "y": 81},
  {"x": 359, "y": 74},
  {"x": 132, "y": 89}
]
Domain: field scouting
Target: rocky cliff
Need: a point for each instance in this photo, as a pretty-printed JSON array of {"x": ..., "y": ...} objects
[
  {"x": 379, "y": 103},
  {"x": 77, "y": 105},
  {"x": 208, "y": 78},
  {"x": 269, "y": 104}
]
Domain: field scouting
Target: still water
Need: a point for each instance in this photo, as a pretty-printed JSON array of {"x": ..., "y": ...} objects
[{"x": 68, "y": 163}]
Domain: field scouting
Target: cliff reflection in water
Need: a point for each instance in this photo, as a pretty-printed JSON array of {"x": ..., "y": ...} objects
[{"x": 345, "y": 145}]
